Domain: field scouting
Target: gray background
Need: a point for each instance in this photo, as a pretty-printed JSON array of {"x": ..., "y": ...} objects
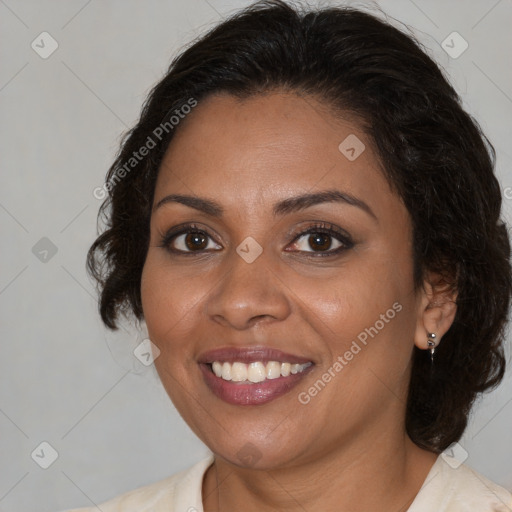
[{"x": 64, "y": 378}]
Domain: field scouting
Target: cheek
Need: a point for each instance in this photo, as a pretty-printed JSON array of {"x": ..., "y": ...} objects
[
  {"x": 169, "y": 299},
  {"x": 367, "y": 308},
  {"x": 352, "y": 298}
]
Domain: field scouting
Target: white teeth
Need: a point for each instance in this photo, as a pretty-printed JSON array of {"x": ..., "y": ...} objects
[
  {"x": 256, "y": 371},
  {"x": 239, "y": 372},
  {"x": 226, "y": 371},
  {"x": 217, "y": 368},
  {"x": 273, "y": 370}
]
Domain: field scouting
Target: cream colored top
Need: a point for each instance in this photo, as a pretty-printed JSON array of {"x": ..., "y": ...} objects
[{"x": 449, "y": 487}]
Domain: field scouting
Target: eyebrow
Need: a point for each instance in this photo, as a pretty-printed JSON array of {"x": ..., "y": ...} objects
[{"x": 286, "y": 206}]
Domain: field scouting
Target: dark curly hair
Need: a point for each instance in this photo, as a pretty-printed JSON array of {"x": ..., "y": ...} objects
[{"x": 433, "y": 154}]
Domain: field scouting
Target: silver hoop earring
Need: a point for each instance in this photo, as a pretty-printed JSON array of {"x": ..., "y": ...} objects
[{"x": 431, "y": 345}]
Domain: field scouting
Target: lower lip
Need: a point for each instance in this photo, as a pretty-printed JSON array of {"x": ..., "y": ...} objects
[{"x": 243, "y": 393}]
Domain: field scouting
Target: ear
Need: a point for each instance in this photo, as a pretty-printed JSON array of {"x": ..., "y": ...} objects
[{"x": 436, "y": 309}]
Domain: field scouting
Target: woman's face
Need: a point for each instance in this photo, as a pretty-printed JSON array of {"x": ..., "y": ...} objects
[{"x": 297, "y": 245}]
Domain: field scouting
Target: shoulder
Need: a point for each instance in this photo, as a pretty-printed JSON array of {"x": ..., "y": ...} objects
[
  {"x": 454, "y": 487},
  {"x": 181, "y": 491}
]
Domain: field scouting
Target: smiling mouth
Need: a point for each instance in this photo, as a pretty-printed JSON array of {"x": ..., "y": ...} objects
[
  {"x": 255, "y": 383},
  {"x": 252, "y": 375},
  {"x": 257, "y": 371}
]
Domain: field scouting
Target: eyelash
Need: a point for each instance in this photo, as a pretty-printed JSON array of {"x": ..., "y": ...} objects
[{"x": 318, "y": 228}]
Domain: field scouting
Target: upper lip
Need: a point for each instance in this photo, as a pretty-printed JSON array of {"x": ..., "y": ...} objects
[{"x": 250, "y": 355}]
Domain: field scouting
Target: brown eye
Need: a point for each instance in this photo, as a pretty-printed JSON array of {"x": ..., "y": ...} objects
[
  {"x": 196, "y": 241},
  {"x": 320, "y": 241},
  {"x": 314, "y": 241},
  {"x": 189, "y": 240}
]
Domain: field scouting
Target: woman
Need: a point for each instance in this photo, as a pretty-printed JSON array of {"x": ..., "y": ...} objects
[{"x": 309, "y": 225}]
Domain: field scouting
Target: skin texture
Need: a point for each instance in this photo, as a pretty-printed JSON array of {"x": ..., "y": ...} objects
[{"x": 346, "y": 449}]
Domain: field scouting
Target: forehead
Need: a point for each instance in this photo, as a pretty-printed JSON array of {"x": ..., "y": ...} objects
[{"x": 266, "y": 147}]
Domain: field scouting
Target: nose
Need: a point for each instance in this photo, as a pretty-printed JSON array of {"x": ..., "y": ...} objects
[{"x": 247, "y": 294}]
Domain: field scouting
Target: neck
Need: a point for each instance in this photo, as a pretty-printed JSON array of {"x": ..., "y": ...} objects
[{"x": 375, "y": 474}]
